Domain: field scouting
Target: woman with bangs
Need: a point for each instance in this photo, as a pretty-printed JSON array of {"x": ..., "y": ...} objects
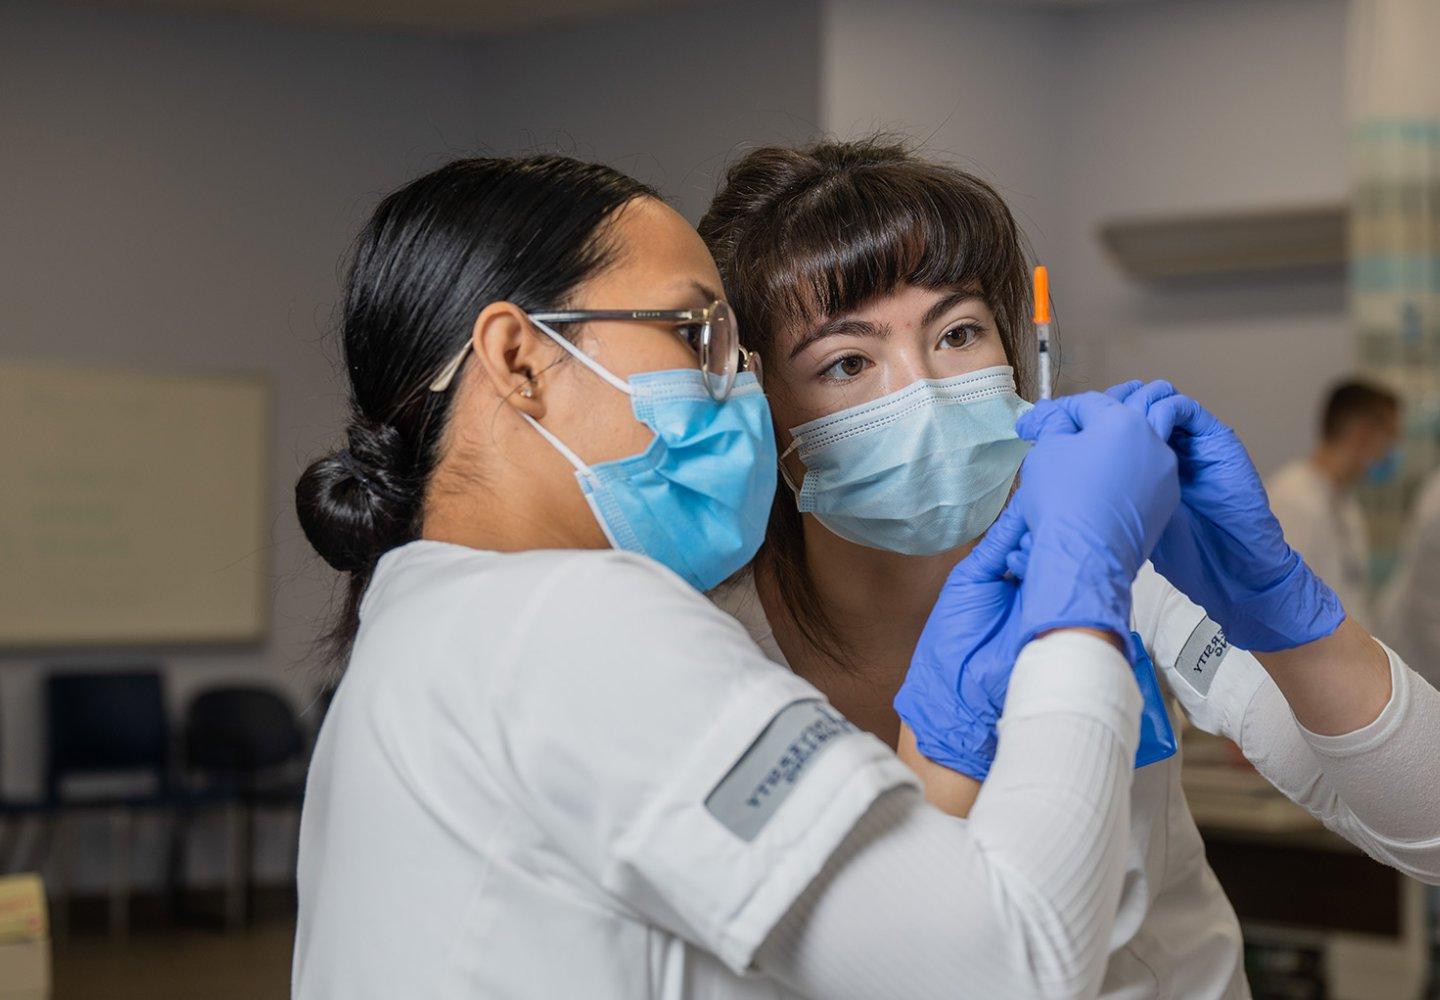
[{"x": 886, "y": 299}]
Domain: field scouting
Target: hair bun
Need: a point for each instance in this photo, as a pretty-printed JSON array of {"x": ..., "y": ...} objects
[{"x": 354, "y": 504}]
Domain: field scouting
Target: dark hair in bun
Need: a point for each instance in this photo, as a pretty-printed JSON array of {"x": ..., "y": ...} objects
[{"x": 434, "y": 254}]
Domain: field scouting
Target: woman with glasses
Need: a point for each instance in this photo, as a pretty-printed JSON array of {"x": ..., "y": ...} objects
[
  {"x": 552, "y": 767},
  {"x": 889, "y": 298}
]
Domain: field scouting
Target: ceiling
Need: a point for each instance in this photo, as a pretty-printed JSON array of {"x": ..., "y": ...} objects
[
  {"x": 470, "y": 16},
  {"x": 426, "y": 15}
]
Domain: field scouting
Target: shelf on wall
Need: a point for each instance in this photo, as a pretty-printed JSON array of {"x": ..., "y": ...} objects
[{"x": 1218, "y": 243}]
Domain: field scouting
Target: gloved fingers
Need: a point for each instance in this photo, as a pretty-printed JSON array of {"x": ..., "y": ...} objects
[
  {"x": 1018, "y": 560},
  {"x": 1063, "y": 415},
  {"x": 1167, "y": 414},
  {"x": 1122, "y": 392},
  {"x": 1179, "y": 413},
  {"x": 987, "y": 561},
  {"x": 1046, "y": 418},
  {"x": 1149, "y": 394}
]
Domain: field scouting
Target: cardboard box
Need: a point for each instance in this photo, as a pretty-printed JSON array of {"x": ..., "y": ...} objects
[
  {"x": 24, "y": 939},
  {"x": 25, "y": 970}
]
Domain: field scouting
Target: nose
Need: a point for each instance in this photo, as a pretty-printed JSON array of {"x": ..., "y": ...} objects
[{"x": 914, "y": 362}]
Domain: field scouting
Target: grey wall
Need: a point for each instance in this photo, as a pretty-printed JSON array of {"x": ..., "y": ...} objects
[
  {"x": 668, "y": 96},
  {"x": 974, "y": 83},
  {"x": 177, "y": 193},
  {"x": 1105, "y": 110},
  {"x": 1206, "y": 104}
]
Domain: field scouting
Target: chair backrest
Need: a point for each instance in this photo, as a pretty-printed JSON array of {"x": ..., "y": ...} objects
[
  {"x": 241, "y": 729},
  {"x": 105, "y": 722}
]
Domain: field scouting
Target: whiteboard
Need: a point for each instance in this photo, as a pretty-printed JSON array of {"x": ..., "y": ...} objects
[{"x": 132, "y": 507}]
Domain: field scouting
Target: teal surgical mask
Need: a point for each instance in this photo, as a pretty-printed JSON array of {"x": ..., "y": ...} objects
[
  {"x": 1385, "y": 470},
  {"x": 920, "y": 471},
  {"x": 698, "y": 498}
]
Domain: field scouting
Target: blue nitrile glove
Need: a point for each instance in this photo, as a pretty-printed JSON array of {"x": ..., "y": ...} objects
[
  {"x": 955, "y": 688},
  {"x": 1094, "y": 494},
  {"x": 1223, "y": 547},
  {"x": 1096, "y": 491}
]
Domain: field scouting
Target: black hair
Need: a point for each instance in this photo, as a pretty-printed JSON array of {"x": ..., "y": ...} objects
[
  {"x": 433, "y": 255},
  {"x": 803, "y": 234},
  {"x": 1354, "y": 400}
]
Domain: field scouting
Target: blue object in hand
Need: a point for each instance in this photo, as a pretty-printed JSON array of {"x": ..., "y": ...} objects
[
  {"x": 1157, "y": 736},
  {"x": 1223, "y": 547},
  {"x": 1095, "y": 493}
]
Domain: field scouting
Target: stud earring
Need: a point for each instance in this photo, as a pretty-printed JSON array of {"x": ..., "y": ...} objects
[{"x": 528, "y": 392}]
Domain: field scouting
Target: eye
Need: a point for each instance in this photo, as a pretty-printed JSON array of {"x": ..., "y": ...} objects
[
  {"x": 960, "y": 337},
  {"x": 691, "y": 334},
  {"x": 846, "y": 368}
]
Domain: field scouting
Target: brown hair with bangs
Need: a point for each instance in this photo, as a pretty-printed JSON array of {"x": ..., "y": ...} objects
[{"x": 801, "y": 235}]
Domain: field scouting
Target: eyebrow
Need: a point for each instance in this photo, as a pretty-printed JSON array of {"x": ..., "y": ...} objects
[
  {"x": 705, "y": 291},
  {"x": 847, "y": 325},
  {"x": 840, "y": 325},
  {"x": 949, "y": 302}
]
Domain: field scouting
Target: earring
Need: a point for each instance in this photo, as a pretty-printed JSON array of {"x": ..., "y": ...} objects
[{"x": 527, "y": 391}]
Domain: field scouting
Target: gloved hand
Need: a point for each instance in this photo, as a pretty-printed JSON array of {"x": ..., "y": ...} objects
[
  {"x": 955, "y": 689},
  {"x": 1223, "y": 547},
  {"x": 1094, "y": 494}
]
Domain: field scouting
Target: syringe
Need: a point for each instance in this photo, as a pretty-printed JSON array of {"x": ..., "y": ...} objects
[{"x": 1042, "y": 326}]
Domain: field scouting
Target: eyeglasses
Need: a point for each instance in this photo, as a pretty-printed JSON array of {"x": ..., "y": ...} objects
[{"x": 711, "y": 333}]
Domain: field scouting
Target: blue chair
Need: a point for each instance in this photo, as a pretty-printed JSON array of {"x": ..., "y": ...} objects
[
  {"x": 14, "y": 812},
  {"x": 245, "y": 746},
  {"x": 111, "y": 725}
]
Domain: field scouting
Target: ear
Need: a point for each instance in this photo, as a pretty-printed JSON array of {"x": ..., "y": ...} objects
[{"x": 512, "y": 354}]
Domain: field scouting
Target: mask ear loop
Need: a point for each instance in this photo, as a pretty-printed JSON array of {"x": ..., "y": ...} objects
[
  {"x": 584, "y": 358},
  {"x": 559, "y": 446},
  {"x": 785, "y": 473}
]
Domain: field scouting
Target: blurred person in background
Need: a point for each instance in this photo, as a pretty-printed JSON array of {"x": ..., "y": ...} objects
[{"x": 1314, "y": 497}]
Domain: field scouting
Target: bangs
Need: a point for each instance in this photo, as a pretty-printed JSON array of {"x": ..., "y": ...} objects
[{"x": 863, "y": 235}]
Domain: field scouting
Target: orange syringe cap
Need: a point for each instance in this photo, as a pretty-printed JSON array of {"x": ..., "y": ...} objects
[{"x": 1042, "y": 295}]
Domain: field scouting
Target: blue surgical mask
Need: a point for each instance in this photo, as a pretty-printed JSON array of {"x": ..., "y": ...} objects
[
  {"x": 919, "y": 471},
  {"x": 698, "y": 498},
  {"x": 1385, "y": 470}
]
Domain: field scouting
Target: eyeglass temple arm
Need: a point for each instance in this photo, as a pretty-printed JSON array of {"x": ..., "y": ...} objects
[
  {"x": 447, "y": 374},
  {"x": 580, "y": 316}
]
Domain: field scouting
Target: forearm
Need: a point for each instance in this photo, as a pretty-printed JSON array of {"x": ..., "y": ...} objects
[
  {"x": 1333, "y": 685},
  {"x": 1017, "y": 901},
  {"x": 949, "y": 791}
]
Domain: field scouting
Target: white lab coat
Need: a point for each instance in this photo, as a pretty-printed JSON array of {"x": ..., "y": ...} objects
[
  {"x": 1328, "y": 529},
  {"x": 523, "y": 788},
  {"x": 1409, "y": 607}
]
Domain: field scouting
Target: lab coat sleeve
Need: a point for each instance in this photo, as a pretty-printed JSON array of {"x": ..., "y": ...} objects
[
  {"x": 695, "y": 784},
  {"x": 1017, "y": 901},
  {"x": 1375, "y": 787}
]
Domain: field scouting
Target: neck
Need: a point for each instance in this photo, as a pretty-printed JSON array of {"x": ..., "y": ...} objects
[
  {"x": 510, "y": 500},
  {"x": 876, "y": 601},
  {"x": 1338, "y": 466}
]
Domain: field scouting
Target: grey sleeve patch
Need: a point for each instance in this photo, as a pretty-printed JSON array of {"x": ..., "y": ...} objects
[
  {"x": 1200, "y": 659},
  {"x": 768, "y": 770}
]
